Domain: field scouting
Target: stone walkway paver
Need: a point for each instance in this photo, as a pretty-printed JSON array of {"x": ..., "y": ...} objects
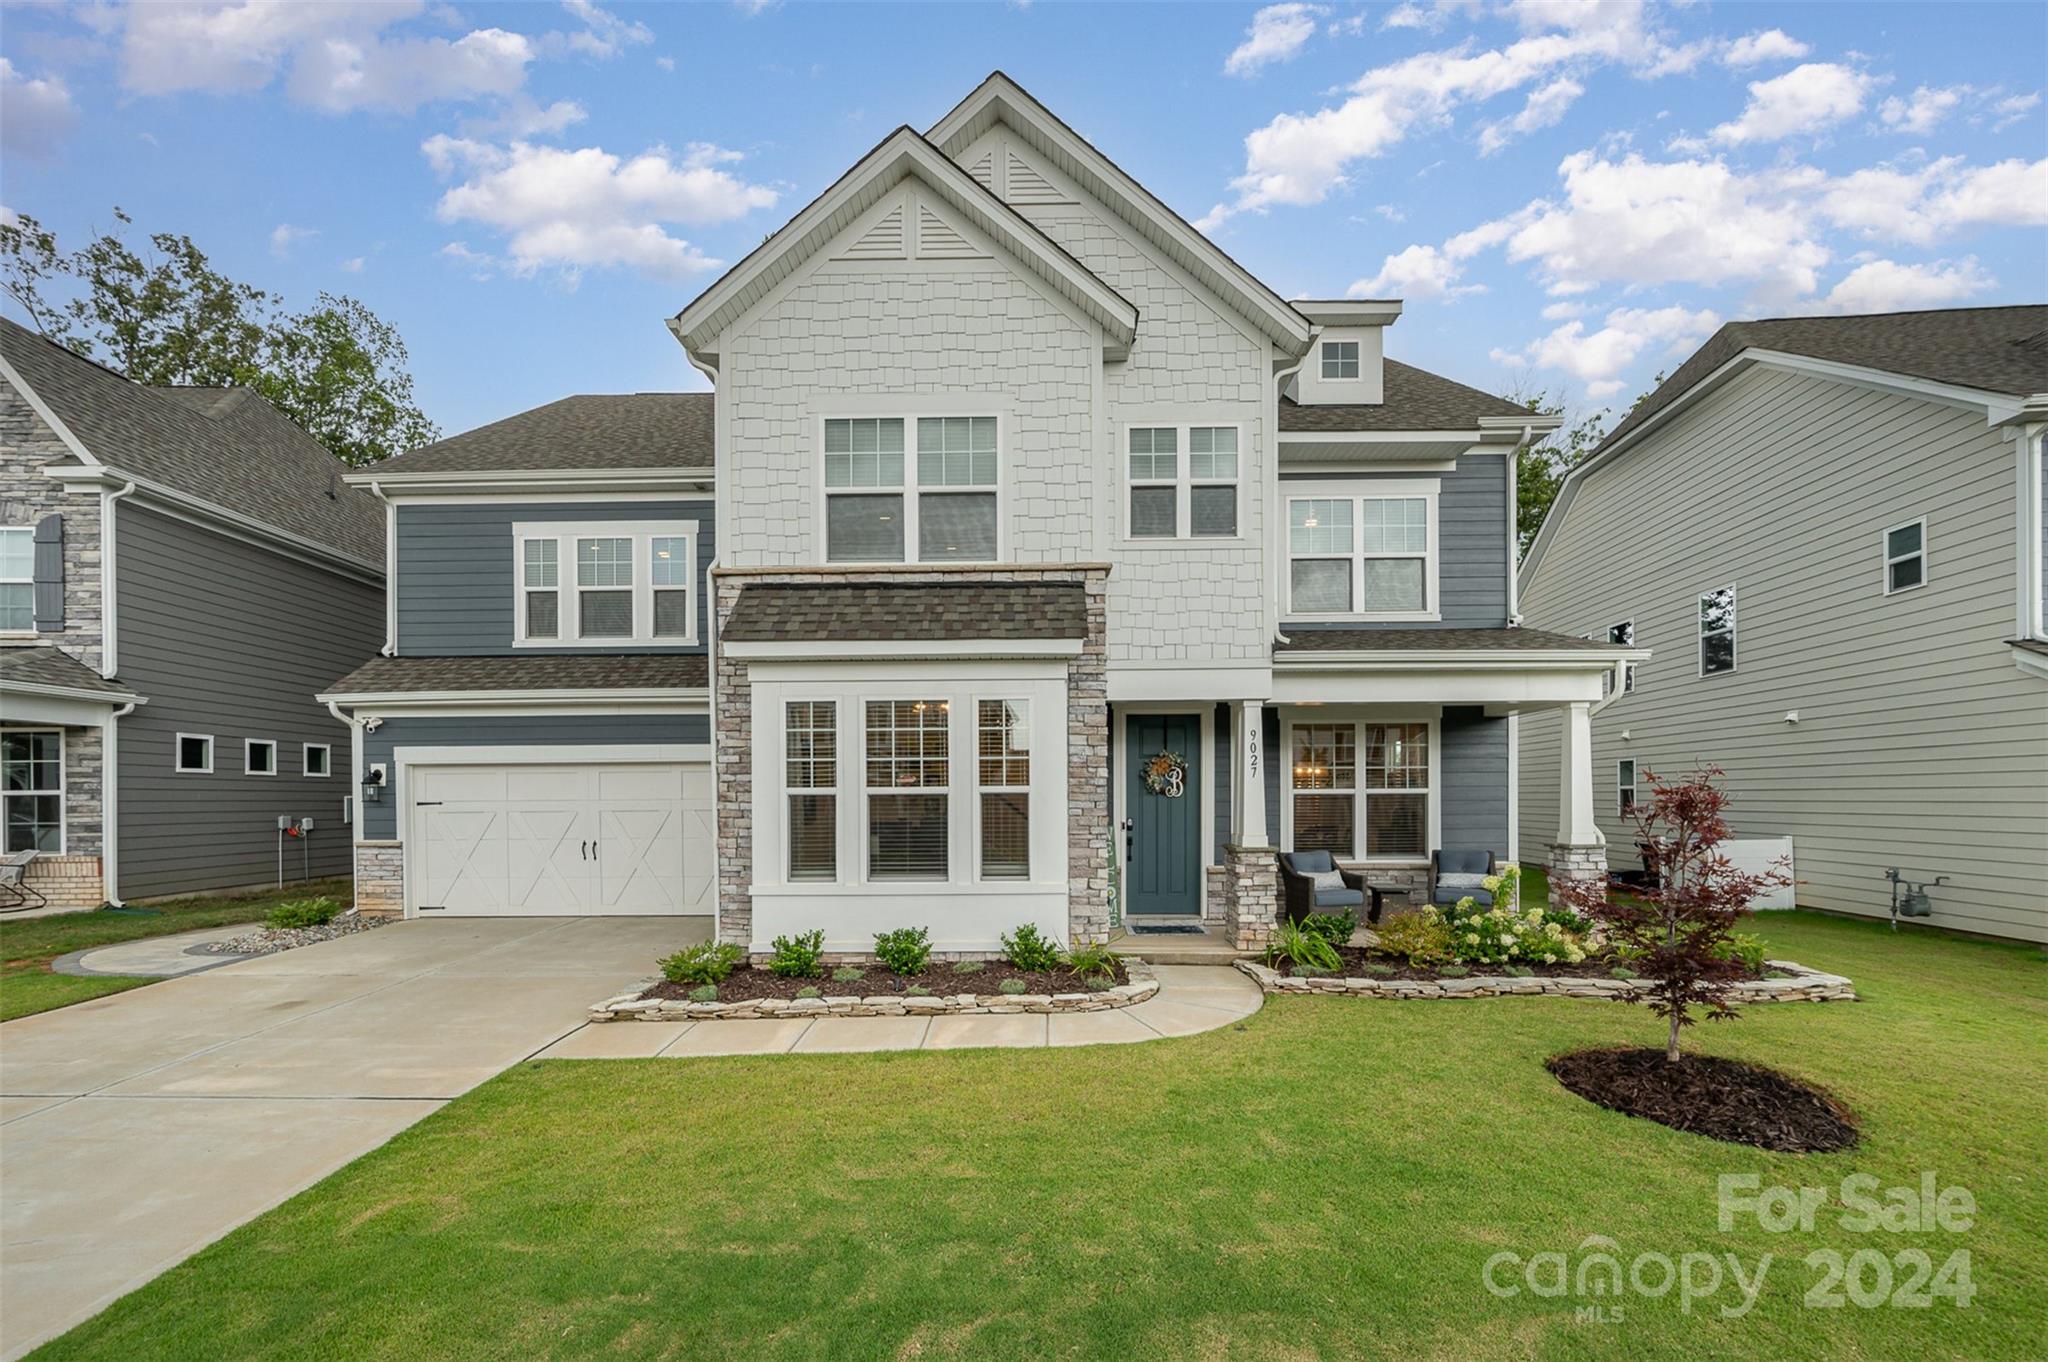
[{"x": 1191, "y": 999}]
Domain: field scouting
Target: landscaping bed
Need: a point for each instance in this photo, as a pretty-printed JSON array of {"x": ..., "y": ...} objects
[
  {"x": 1724, "y": 1099},
  {"x": 1781, "y": 981},
  {"x": 751, "y": 993},
  {"x": 271, "y": 940}
]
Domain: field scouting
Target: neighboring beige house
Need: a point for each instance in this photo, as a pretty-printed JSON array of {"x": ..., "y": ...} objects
[{"x": 1829, "y": 533}]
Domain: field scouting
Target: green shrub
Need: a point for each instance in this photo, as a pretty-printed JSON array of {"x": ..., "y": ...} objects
[
  {"x": 1520, "y": 972},
  {"x": 1421, "y": 938},
  {"x": 1028, "y": 950},
  {"x": 1297, "y": 948},
  {"x": 907, "y": 950},
  {"x": 1335, "y": 928},
  {"x": 704, "y": 993},
  {"x": 1092, "y": 961},
  {"x": 798, "y": 957},
  {"x": 1623, "y": 972},
  {"x": 1010, "y": 986},
  {"x": 1453, "y": 971},
  {"x": 917, "y": 991},
  {"x": 707, "y": 962},
  {"x": 1500, "y": 935},
  {"x": 1744, "y": 947},
  {"x": 969, "y": 966},
  {"x": 1378, "y": 968},
  {"x": 849, "y": 974},
  {"x": 810, "y": 991},
  {"x": 297, "y": 913}
]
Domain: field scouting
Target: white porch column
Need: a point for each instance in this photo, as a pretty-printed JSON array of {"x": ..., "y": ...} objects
[
  {"x": 1251, "y": 774},
  {"x": 1575, "y": 824}
]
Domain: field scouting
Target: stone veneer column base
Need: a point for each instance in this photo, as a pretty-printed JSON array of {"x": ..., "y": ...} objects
[
  {"x": 380, "y": 879},
  {"x": 1251, "y": 896},
  {"x": 1569, "y": 861}
]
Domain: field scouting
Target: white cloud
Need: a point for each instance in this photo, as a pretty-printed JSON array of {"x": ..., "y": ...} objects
[
  {"x": 2012, "y": 109},
  {"x": 1597, "y": 358},
  {"x": 1772, "y": 44},
  {"x": 284, "y": 236},
  {"x": 1918, "y": 116},
  {"x": 1417, "y": 272},
  {"x": 1561, "y": 312},
  {"x": 1803, "y": 100},
  {"x": 1887, "y": 286},
  {"x": 1546, "y": 108},
  {"x": 1412, "y": 16},
  {"x": 35, "y": 112},
  {"x": 571, "y": 210},
  {"x": 665, "y": 63},
  {"x": 1300, "y": 158},
  {"x": 352, "y": 265},
  {"x": 1277, "y": 33},
  {"x": 522, "y": 117},
  {"x": 338, "y": 56},
  {"x": 604, "y": 34},
  {"x": 1923, "y": 204}
]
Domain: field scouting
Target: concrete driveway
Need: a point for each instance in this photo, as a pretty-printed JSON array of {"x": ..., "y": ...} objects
[{"x": 136, "y": 1129}]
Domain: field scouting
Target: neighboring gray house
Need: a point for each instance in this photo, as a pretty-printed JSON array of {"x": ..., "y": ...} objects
[
  {"x": 1830, "y": 530},
  {"x": 180, "y": 570},
  {"x": 1035, "y": 562}
]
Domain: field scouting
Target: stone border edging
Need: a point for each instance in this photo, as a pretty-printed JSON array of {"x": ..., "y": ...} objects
[
  {"x": 1804, "y": 985},
  {"x": 632, "y": 1007}
]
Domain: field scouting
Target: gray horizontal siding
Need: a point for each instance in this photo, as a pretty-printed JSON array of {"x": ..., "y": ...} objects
[
  {"x": 456, "y": 576},
  {"x": 380, "y": 819},
  {"x": 231, "y": 640},
  {"x": 1472, "y": 542},
  {"x": 1474, "y": 770},
  {"x": 1919, "y": 744}
]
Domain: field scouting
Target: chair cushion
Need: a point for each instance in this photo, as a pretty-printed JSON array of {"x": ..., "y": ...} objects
[
  {"x": 1460, "y": 861},
  {"x": 1328, "y": 879},
  {"x": 1463, "y": 883},
  {"x": 1338, "y": 898},
  {"x": 1310, "y": 862}
]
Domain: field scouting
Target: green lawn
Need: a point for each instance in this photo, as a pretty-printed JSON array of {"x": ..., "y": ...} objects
[
  {"x": 28, "y": 945},
  {"x": 1324, "y": 1180}
]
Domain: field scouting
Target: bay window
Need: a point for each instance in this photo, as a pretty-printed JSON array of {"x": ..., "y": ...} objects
[
  {"x": 1003, "y": 761},
  {"x": 882, "y": 508},
  {"x": 619, "y": 583},
  {"x": 811, "y": 777},
  {"x": 909, "y": 777},
  {"x": 1363, "y": 556},
  {"x": 32, "y": 790},
  {"x": 1182, "y": 481},
  {"x": 1360, "y": 791}
]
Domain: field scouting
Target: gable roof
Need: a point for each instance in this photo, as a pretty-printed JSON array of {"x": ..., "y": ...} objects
[
  {"x": 1001, "y": 99},
  {"x": 225, "y": 447},
  {"x": 902, "y": 153},
  {"x": 1414, "y": 399},
  {"x": 44, "y": 667},
  {"x": 1991, "y": 349},
  {"x": 590, "y": 431}
]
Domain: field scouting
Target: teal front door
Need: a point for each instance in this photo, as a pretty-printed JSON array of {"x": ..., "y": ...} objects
[{"x": 1163, "y": 869}]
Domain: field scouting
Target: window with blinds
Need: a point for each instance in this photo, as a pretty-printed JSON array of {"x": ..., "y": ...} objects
[
  {"x": 811, "y": 777},
  {"x": 1003, "y": 769},
  {"x": 909, "y": 774},
  {"x": 883, "y": 507}
]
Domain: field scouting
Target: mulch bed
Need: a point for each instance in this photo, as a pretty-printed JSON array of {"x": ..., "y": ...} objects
[
  {"x": 939, "y": 979},
  {"x": 1723, "y": 1099}
]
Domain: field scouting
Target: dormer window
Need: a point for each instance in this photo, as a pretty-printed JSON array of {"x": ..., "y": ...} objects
[{"x": 1340, "y": 359}]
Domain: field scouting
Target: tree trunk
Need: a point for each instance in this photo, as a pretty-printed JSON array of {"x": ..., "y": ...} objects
[{"x": 1671, "y": 1045}]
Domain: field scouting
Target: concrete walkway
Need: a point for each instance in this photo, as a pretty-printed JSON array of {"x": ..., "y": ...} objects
[
  {"x": 138, "y": 1128},
  {"x": 155, "y": 957}
]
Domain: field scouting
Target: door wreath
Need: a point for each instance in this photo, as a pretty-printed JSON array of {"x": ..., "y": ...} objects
[{"x": 1167, "y": 774}]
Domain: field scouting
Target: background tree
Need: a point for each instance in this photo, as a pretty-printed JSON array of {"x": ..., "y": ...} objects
[
  {"x": 167, "y": 316},
  {"x": 1541, "y": 465},
  {"x": 1677, "y": 936}
]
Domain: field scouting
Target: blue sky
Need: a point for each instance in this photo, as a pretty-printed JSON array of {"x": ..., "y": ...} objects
[{"x": 1568, "y": 195}]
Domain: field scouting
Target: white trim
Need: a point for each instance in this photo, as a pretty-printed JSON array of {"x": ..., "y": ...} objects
[
  {"x": 1514, "y": 787},
  {"x": 1427, "y": 490},
  {"x": 1361, "y": 717},
  {"x": 912, "y": 489},
  {"x": 110, "y": 583},
  {"x": 249, "y": 746},
  {"x": 1323, "y": 357},
  {"x": 1701, "y": 632},
  {"x": 656, "y": 698},
  {"x": 452, "y": 483},
  {"x": 531, "y": 754},
  {"x": 63, "y": 790},
  {"x": 565, "y": 535},
  {"x": 1148, "y": 681},
  {"x": 1183, "y": 481},
  {"x": 178, "y": 766},
  {"x": 98, "y": 697},
  {"x": 901, "y": 648},
  {"x": 28, "y": 581},
  {"x": 1463, "y": 659},
  {"x": 1622, "y": 810},
  {"x": 390, "y": 570},
  {"x": 327, "y": 753},
  {"x": 110, "y": 804},
  {"x": 2031, "y": 601},
  {"x": 1888, "y": 560}
]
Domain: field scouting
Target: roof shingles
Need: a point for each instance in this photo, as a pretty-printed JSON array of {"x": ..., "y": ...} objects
[
  {"x": 546, "y": 671},
  {"x": 1414, "y": 399},
  {"x": 770, "y": 612},
  {"x": 591, "y": 431},
  {"x": 36, "y": 664}
]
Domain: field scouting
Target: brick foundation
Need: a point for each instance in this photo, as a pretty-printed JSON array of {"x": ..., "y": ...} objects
[
  {"x": 1251, "y": 896},
  {"x": 380, "y": 879},
  {"x": 67, "y": 881}
]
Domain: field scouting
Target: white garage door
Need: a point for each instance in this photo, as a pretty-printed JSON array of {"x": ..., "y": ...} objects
[{"x": 551, "y": 841}]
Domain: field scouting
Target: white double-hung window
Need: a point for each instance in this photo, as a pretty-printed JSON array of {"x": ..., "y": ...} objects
[
  {"x": 32, "y": 790},
  {"x": 1363, "y": 556},
  {"x": 910, "y": 778},
  {"x": 942, "y": 506},
  {"x": 17, "y": 581},
  {"x": 1360, "y": 791},
  {"x": 621, "y": 583},
  {"x": 1182, "y": 480}
]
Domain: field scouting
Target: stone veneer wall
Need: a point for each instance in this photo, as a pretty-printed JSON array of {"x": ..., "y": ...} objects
[
  {"x": 84, "y": 780},
  {"x": 1251, "y": 897},
  {"x": 68, "y": 881},
  {"x": 1569, "y": 862},
  {"x": 380, "y": 879},
  {"x": 27, "y": 444},
  {"x": 1088, "y": 810}
]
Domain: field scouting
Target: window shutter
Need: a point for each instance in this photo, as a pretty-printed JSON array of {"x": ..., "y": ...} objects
[{"x": 49, "y": 574}]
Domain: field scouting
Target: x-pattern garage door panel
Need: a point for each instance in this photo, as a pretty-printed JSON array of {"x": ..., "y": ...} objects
[{"x": 552, "y": 840}]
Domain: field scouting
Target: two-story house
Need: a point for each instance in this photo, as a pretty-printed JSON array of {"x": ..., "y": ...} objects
[
  {"x": 1830, "y": 530},
  {"x": 181, "y": 568},
  {"x": 1047, "y": 567}
]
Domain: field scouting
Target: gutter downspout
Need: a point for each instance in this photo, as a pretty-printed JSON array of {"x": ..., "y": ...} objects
[
  {"x": 709, "y": 624},
  {"x": 390, "y": 648},
  {"x": 1273, "y": 538},
  {"x": 109, "y": 662},
  {"x": 355, "y": 793},
  {"x": 110, "y": 799},
  {"x": 1515, "y": 528}
]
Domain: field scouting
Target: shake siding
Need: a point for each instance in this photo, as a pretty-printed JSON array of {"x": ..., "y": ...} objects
[
  {"x": 1918, "y": 744},
  {"x": 457, "y": 579},
  {"x": 232, "y": 640}
]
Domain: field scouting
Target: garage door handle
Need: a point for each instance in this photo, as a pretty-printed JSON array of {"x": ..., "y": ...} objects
[{"x": 586, "y": 851}]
